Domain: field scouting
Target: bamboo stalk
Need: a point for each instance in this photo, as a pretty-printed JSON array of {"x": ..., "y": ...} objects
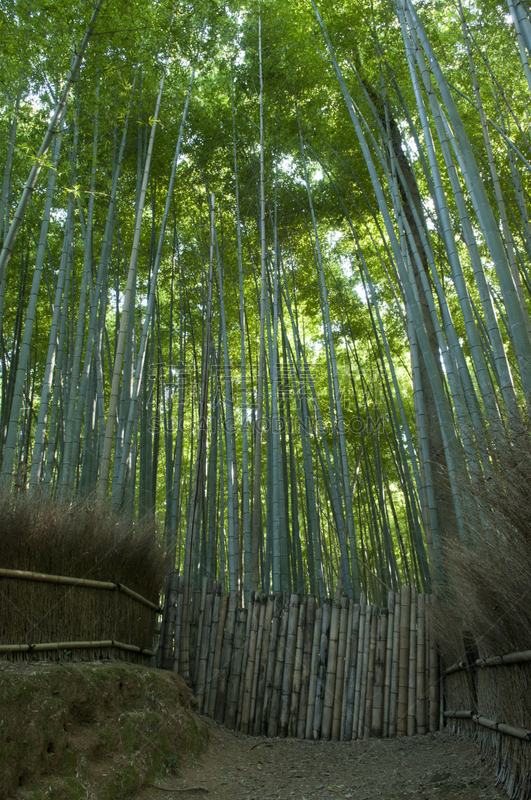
[
  {"x": 233, "y": 689},
  {"x": 367, "y": 717},
  {"x": 312, "y": 687},
  {"x": 289, "y": 664},
  {"x": 388, "y": 663},
  {"x": 262, "y": 666},
  {"x": 421, "y": 665},
  {"x": 306, "y": 666},
  {"x": 331, "y": 671},
  {"x": 340, "y": 670},
  {"x": 297, "y": 669},
  {"x": 395, "y": 668},
  {"x": 357, "y": 616},
  {"x": 321, "y": 670},
  {"x": 19, "y": 574},
  {"x": 212, "y": 702},
  {"x": 379, "y": 674},
  {"x": 403, "y": 664},
  {"x": 412, "y": 671},
  {"x": 359, "y": 717}
]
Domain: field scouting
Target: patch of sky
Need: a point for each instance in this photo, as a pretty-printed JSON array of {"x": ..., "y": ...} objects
[{"x": 58, "y": 214}]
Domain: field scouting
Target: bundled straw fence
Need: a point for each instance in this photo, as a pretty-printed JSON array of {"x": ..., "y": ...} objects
[
  {"x": 285, "y": 667},
  {"x": 491, "y": 698},
  {"x": 53, "y": 617}
]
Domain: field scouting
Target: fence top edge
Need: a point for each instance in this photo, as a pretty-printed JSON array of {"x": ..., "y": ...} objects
[{"x": 70, "y": 581}]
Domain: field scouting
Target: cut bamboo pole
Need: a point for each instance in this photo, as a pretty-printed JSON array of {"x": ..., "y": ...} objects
[
  {"x": 357, "y": 615},
  {"x": 194, "y": 657},
  {"x": 346, "y": 670},
  {"x": 359, "y": 712},
  {"x": 434, "y": 694},
  {"x": 395, "y": 668},
  {"x": 194, "y": 623},
  {"x": 43, "y": 577},
  {"x": 306, "y": 666},
  {"x": 340, "y": 670},
  {"x": 331, "y": 672},
  {"x": 204, "y": 645},
  {"x": 178, "y": 624},
  {"x": 412, "y": 671},
  {"x": 370, "y": 673},
  {"x": 289, "y": 664},
  {"x": 254, "y": 613},
  {"x": 223, "y": 605},
  {"x": 499, "y": 727},
  {"x": 403, "y": 662},
  {"x": 233, "y": 689},
  {"x": 274, "y": 713},
  {"x": 312, "y": 687},
  {"x": 262, "y": 669},
  {"x": 421, "y": 665},
  {"x": 253, "y": 604},
  {"x": 359, "y": 668},
  {"x": 271, "y": 659},
  {"x": 226, "y": 657},
  {"x": 44, "y": 646},
  {"x": 297, "y": 669},
  {"x": 216, "y": 610},
  {"x": 164, "y": 658},
  {"x": 388, "y": 662},
  {"x": 321, "y": 670},
  {"x": 379, "y": 674},
  {"x": 257, "y": 660}
]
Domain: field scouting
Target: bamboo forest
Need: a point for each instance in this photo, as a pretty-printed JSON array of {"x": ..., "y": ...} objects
[{"x": 265, "y": 276}]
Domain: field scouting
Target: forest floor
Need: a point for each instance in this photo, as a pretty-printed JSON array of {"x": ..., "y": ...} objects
[
  {"x": 438, "y": 766},
  {"x": 116, "y": 731}
]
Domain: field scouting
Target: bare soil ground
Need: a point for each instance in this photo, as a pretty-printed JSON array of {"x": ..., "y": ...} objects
[{"x": 438, "y": 766}]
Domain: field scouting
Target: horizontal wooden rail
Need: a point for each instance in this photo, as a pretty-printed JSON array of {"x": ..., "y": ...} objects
[
  {"x": 520, "y": 657},
  {"x": 64, "y": 580},
  {"x": 42, "y": 646},
  {"x": 499, "y": 727}
]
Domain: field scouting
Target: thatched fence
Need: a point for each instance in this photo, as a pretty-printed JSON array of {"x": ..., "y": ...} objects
[
  {"x": 57, "y": 617},
  {"x": 284, "y": 666},
  {"x": 490, "y": 697}
]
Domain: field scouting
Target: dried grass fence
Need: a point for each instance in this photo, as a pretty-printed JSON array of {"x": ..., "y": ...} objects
[
  {"x": 285, "y": 667},
  {"x": 55, "y": 617},
  {"x": 490, "y": 697}
]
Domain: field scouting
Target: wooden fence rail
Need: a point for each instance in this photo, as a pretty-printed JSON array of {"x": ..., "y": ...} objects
[{"x": 283, "y": 666}]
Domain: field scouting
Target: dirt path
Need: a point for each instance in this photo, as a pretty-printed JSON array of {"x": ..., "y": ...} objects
[{"x": 237, "y": 767}]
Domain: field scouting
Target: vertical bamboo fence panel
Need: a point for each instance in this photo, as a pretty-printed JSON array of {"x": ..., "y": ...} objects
[{"x": 284, "y": 667}]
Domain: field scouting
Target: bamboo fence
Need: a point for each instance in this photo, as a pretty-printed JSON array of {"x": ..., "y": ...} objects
[
  {"x": 490, "y": 699},
  {"x": 284, "y": 667},
  {"x": 58, "y": 617}
]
